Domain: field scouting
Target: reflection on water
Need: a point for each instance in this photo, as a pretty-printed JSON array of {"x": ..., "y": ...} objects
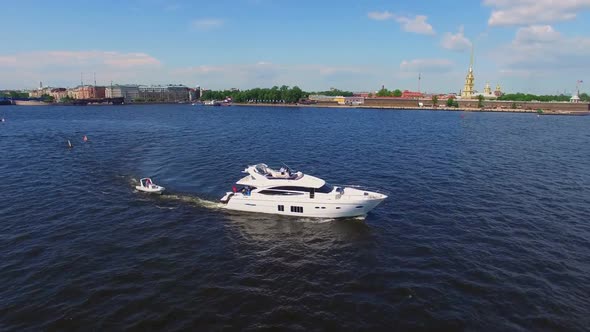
[{"x": 276, "y": 228}]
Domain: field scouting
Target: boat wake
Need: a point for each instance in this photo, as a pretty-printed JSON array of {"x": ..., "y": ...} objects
[
  {"x": 193, "y": 200},
  {"x": 184, "y": 198}
]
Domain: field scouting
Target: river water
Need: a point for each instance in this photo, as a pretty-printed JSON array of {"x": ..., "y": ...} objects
[{"x": 487, "y": 225}]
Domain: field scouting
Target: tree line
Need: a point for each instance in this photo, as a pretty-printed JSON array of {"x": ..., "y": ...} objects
[
  {"x": 546, "y": 98},
  {"x": 386, "y": 93},
  {"x": 15, "y": 95},
  {"x": 275, "y": 94}
]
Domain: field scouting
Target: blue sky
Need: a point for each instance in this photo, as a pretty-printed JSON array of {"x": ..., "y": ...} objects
[{"x": 539, "y": 46}]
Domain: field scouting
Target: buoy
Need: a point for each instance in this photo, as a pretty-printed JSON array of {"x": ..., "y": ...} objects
[
  {"x": 70, "y": 144},
  {"x": 85, "y": 138}
]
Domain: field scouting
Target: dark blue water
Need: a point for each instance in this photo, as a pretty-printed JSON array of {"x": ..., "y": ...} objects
[{"x": 487, "y": 226}]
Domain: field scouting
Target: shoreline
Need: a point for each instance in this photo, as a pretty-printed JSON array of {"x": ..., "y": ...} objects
[
  {"x": 380, "y": 107},
  {"x": 408, "y": 108}
]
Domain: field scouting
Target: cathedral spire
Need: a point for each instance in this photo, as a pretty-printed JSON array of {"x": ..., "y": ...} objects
[
  {"x": 471, "y": 61},
  {"x": 468, "y": 89}
]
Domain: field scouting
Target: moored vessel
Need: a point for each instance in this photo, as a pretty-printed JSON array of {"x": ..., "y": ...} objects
[{"x": 30, "y": 103}]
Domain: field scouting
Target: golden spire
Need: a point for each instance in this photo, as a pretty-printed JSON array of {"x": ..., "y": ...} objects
[
  {"x": 471, "y": 61},
  {"x": 468, "y": 90}
]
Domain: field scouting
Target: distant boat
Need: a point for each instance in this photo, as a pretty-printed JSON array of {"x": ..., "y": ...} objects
[
  {"x": 212, "y": 103},
  {"x": 31, "y": 103}
]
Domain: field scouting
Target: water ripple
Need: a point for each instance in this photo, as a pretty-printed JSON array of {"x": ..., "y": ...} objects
[{"x": 485, "y": 228}]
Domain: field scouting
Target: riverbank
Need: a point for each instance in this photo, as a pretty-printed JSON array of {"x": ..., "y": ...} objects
[{"x": 448, "y": 109}]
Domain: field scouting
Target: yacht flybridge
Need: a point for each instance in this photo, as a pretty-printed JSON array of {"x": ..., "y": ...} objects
[{"x": 284, "y": 192}]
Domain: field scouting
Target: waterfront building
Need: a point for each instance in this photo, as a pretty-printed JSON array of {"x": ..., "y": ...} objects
[
  {"x": 362, "y": 94},
  {"x": 165, "y": 93},
  {"x": 39, "y": 92},
  {"x": 406, "y": 94},
  {"x": 354, "y": 100},
  {"x": 575, "y": 99},
  {"x": 324, "y": 98},
  {"x": 87, "y": 92},
  {"x": 340, "y": 100},
  {"x": 128, "y": 92},
  {"x": 487, "y": 92},
  {"x": 58, "y": 93}
]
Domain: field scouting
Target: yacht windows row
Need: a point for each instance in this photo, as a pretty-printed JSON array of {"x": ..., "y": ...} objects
[{"x": 292, "y": 190}]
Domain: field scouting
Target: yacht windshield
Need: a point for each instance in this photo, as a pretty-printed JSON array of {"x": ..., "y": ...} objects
[
  {"x": 261, "y": 169},
  {"x": 325, "y": 189}
]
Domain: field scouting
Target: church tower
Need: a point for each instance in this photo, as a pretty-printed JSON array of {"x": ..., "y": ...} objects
[
  {"x": 487, "y": 90},
  {"x": 468, "y": 91},
  {"x": 498, "y": 91}
]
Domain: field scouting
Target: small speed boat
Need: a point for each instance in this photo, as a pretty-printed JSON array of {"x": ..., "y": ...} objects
[{"x": 146, "y": 185}]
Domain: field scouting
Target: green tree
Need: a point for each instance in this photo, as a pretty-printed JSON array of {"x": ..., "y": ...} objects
[
  {"x": 295, "y": 94},
  {"x": 47, "y": 98},
  {"x": 66, "y": 99},
  {"x": 383, "y": 93},
  {"x": 450, "y": 102},
  {"x": 397, "y": 93},
  {"x": 334, "y": 92},
  {"x": 19, "y": 95},
  {"x": 370, "y": 95},
  {"x": 434, "y": 100},
  {"x": 530, "y": 97},
  {"x": 480, "y": 101}
]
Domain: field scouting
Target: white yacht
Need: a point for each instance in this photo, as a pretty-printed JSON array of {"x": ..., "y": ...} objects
[{"x": 284, "y": 192}]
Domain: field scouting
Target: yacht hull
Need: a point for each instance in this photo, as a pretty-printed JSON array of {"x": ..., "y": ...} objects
[{"x": 308, "y": 208}]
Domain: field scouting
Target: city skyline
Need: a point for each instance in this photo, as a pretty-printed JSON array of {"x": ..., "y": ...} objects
[{"x": 526, "y": 46}]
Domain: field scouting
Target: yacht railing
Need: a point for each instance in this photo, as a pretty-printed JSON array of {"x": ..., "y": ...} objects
[{"x": 363, "y": 188}]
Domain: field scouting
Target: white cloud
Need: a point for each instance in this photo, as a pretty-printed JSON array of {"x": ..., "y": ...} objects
[
  {"x": 266, "y": 74},
  {"x": 536, "y": 33},
  {"x": 380, "y": 16},
  {"x": 417, "y": 24},
  {"x": 7, "y": 60},
  {"x": 526, "y": 12},
  {"x": 39, "y": 59},
  {"x": 26, "y": 69},
  {"x": 171, "y": 7},
  {"x": 426, "y": 65},
  {"x": 207, "y": 23},
  {"x": 542, "y": 49},
  {"x": 456, "y": 42}
]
